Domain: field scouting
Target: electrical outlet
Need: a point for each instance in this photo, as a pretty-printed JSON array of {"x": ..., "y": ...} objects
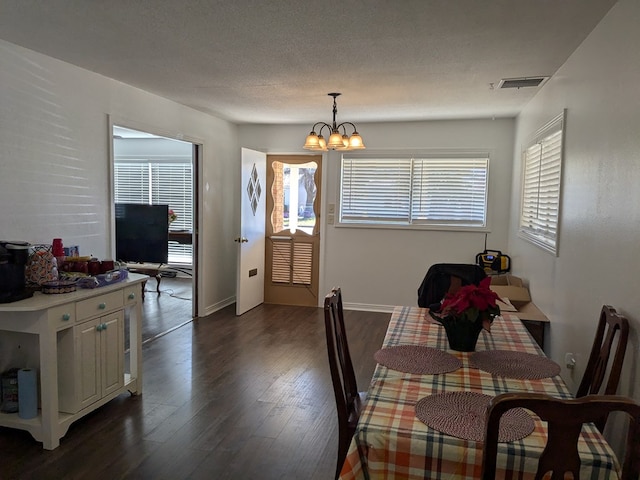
[
  {"x": 569, "y": 361},
  {"x": 330, "y": 219}
]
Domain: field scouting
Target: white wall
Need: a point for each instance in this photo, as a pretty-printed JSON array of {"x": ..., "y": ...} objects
[
  {"x": 153, "y": 149},
  {"x": 380, "y": 268},
  {"x": 54, "y": 161},
  {"x": 599, "y": 250}
]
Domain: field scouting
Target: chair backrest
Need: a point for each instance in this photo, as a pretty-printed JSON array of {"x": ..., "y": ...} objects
[
  {"x": 609, "y": 324},
  {"x": 348, "y": 400},
  {"x": 565, "y": 419},
  {"x": 443, "y": 278}
]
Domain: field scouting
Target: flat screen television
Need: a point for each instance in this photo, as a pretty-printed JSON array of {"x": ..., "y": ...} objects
[{"x": 142, "y": 233}]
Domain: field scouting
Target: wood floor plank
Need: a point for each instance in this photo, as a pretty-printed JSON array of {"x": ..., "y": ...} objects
[{"x": 225, "y": 397}]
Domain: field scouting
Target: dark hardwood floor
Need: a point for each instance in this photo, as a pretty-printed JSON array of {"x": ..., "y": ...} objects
[
  {"x": 167, "y": 310},
  {"x": 225, "y": 397}
]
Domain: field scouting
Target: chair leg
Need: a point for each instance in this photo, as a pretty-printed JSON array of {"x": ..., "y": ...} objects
[{"x": 343, "y": 448}]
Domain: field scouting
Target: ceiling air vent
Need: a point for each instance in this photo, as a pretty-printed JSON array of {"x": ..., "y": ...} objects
[{"x": 521, "y": 82}]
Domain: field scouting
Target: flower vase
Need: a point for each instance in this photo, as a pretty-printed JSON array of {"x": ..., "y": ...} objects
[{"x": 462, "y": 334}]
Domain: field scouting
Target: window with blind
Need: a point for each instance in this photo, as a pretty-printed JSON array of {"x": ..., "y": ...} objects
[
  {"x": 541, "y": 182},
  {"x": 415, "y": 191},
  {"x": 160, "y": 183}
]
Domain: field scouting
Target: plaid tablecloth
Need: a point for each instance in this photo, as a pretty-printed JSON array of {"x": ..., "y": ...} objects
[{"x": 390, "y": 442}]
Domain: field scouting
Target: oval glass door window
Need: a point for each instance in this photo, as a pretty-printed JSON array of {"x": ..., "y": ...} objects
[{"x": 294, "y": 193}]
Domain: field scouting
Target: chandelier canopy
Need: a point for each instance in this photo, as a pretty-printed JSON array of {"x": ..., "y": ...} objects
[{"x": 337, "y": 140}]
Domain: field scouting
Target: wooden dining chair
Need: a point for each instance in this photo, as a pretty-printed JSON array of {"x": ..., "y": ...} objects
[
  {"x": 609, "y": 324},
  {"x": 349, "y": 401},
  {"x": 564, "y": 423}
]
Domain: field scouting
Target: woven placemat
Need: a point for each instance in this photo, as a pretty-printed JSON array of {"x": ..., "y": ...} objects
[
  {"x": 462, "y": 415},
  {"x": 417, "y": 359},
  {"x": 518, "y": 365}
]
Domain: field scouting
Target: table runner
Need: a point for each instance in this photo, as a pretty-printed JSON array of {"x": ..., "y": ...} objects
[{"x": 391, "y": 442}]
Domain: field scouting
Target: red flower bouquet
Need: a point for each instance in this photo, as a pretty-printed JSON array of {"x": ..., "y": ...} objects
[
  {"x": 465, "y": 313},
  {"x": 472, "y": 303}
]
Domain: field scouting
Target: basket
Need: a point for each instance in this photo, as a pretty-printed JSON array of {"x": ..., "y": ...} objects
[{"x": 58, "y": 286}]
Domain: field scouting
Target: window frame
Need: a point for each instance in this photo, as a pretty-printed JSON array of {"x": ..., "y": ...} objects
[
  {"x": 151, "y": 170},
  {"x": 530, "y": 226},
  {"x": 410, "y": 187}
]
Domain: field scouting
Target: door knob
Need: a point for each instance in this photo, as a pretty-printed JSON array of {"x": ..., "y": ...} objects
[{"x": 241, "y": 240}]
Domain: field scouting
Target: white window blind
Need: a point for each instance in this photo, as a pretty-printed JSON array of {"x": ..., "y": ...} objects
[
  {"x": 131, "y": 182},
  {"x": 541, "y": 182},
  {"x": 376, "y": 190},
  {"x": 450, "y": 191},
  {"x": 161, "y": 183},
  {"x": 432, "y": 191},
  {"x": 171, "y": 185}
]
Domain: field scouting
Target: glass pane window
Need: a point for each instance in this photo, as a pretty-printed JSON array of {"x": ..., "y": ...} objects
[
  {"x": 541, "y": 182},
  {"x": 447, "y": 192},
  {"x": 294, "y": 197},
  {"x": 415, "y": 190},
  {"x": 160, "y": 183}
]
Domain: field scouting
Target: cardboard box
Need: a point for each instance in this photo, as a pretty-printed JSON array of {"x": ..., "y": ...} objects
[{"x": 511, "y": 287}]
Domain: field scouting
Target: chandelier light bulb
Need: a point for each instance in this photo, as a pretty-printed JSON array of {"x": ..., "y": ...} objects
[
  {"x": 312, "y": 142},
  {"x": 335, "y": 140},
  {"x": 323, "y": 143},
  {"x": 355, "y": 141}
]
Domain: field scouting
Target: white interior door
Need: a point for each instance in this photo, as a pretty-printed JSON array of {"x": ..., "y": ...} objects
[{"x": 250, "y": 275}]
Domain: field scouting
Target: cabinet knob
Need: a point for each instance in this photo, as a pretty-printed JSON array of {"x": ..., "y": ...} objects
[
  {"x": 99, "y": 327},
  {"x": 66, "y": 317},
  {"x": 102, "y": 306},
  {"x": 104, "y": 326},
  {"x": 132, "y": 296}
]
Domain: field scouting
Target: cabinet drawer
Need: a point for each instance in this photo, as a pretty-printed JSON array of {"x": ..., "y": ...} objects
[
  {"x": 62, "y": 316},
  {"x": 99, "y": 305},
  {"x": 132, "y": 294}
]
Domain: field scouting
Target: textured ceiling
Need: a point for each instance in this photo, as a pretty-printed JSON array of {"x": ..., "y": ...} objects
[{"x": 274, "y": 61}]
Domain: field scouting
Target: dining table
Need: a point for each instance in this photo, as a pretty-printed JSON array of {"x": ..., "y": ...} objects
[{"x": 407, "y": 430}]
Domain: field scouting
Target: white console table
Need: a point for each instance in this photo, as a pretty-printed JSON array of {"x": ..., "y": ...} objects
[{"x": 76, "y": 341}]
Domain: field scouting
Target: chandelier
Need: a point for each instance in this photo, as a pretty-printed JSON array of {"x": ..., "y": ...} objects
[{"x": 337, "y": 141}]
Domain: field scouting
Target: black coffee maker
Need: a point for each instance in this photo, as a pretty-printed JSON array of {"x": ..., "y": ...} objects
[{"x": 13, "y": 258}]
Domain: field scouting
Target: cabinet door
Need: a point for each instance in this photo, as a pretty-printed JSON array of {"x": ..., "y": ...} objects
[
  {"x": 112, "y": 352},
  {"x": 88, "y": 336}
]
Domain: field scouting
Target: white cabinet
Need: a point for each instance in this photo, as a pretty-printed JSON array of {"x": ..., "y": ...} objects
[
  {"x": 86, "y": 387},
  {"x": 91, "y": 363},
  {"x": 77, "y": 343},
  {"x": 97, "y": 366},
  {"x": 111, "y": 353}
]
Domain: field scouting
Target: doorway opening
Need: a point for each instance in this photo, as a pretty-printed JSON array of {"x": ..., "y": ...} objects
[{"x": 155, "y": 170}]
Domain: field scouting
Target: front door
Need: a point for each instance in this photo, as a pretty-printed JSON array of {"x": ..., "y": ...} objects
[
  {"x": 250, "y": 274},
  {"x": 293, "y": 229}
]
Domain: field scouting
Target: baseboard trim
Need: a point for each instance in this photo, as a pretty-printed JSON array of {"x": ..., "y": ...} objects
[
  {"x": 366, "y": 307},
  {"x": 363, "y": 307},
  {"x": 218, "y": 306}
]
